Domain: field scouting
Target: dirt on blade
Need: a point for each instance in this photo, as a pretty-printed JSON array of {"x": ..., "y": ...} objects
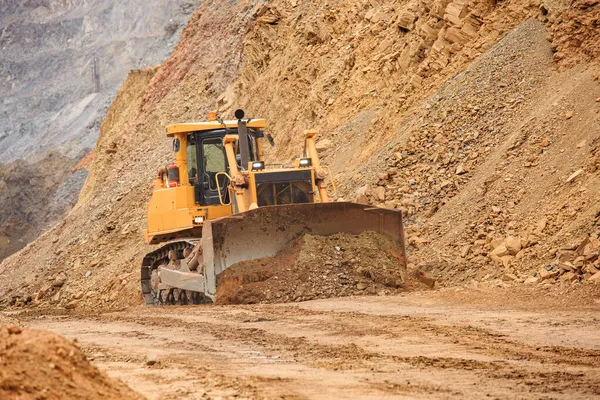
[{"x": 315, "y": 267}]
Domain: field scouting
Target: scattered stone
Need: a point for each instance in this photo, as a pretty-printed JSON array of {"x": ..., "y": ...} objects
[
  {"x": 88, "y": 274},
  {"x": 361, "y": 286},
  {"x": 380, "y": 193},
  {"x": 531, "y": 280},
  {"x": 574, "y": 175},
  {"x": 540, "y": 226},
  {"x": 460, "y": 170},
  {"x": 513, "y": 244},
  {"x": 60, "y": 279},
  {"x": 323, "y": 144},
  {"x": 152, "y": 360},
  {"x": 595, "y": 277},
  {"x": 425, "y": 278},
  {"x": 569, "y": 115},
  {"x": 544, "y": 274},
  {"x": 508, "y": 277},
  {"x": 569, "y": 277}
]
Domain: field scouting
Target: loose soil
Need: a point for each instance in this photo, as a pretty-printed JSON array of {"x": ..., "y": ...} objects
[
  {"x": 314, "y": 267},
  {"x": 447, "y": 344},
  {"x": 42, "y": 365}
]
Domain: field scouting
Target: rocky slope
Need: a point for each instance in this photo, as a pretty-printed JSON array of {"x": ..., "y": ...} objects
[{"x": 469, "y": 115}]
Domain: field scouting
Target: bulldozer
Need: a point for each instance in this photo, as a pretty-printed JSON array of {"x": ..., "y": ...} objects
[{"x": 220, "y": 203}]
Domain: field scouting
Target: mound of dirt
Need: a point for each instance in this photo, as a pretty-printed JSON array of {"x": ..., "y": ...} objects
[
  {"x": 314, "y": 267},
  {"x": 42, "y": 365}
]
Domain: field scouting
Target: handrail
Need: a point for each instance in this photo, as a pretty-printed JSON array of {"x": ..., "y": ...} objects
[
  {"x": 219, "y": 187},
  {"x": 331, "y": 180}
]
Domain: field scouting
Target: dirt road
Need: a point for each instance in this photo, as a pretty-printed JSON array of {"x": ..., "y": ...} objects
[{"x": 442, "y": 344}]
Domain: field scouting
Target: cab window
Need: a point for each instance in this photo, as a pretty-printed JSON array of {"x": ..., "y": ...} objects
[
  {"x": 192, "y": 160},
  {"x": 214, "y": 161}
]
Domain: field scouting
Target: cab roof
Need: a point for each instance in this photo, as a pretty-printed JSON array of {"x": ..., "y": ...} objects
[{"x": 210, "y": 125}]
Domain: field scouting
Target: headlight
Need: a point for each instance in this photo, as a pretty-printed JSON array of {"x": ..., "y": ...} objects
[
  {"x": 258, "y": 165},
  {"x": 198, "y": 220},
  {"x": 305, "y": 162}
]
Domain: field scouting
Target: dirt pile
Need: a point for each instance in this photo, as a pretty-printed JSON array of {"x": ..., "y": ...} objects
[
  {"x": 42, "y": 365},
  {"x": 315, "y": 267}
]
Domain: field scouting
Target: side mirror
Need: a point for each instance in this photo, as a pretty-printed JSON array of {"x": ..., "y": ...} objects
[{"x": 271, "y": 140}]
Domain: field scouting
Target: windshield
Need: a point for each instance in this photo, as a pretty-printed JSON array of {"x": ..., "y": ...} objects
[{"x": 214, "y": 161}]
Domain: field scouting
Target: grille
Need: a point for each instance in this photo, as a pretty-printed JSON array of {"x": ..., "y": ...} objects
[{"x": 278, "y": 193}]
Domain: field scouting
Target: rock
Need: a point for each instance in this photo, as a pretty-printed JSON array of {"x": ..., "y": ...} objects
[
  {"x": 392, "y": 171},
  {"x": 465, "y": 251},
  {"x": 544, "y": 274},
  {"x": 406, "y": 21},
  {"x": 41, "y": 293},
  {"x": 540, "y": 226},
  {"x": 510, "y": 277},
  {"x": 574, "y": 175},
  {"x": 460, "y": 170},
  {"x": 71, "y": 305},
  {"x": 361, "y": 286},
  {"x": 60, "y": 279},
  {"x": 496, "y": 210},
  {"x": 151, "y": 360},
  {"x": 88, "y": 274},
  {"x": 323, "y": 144},
  {"x": 506, "y": 260},
  {"x": 531, "y": 280},
  {"x": 499, "y": 252},
  {"x": 595, "y": 278},
  {"x": 581, "y": 144},
  {"x": 454, "y": 35},
  {"x": 569, "y": 277},
  {"x": 569, "y": 115},
  {"x": 362, "y": 199},
  {"x": 380, "y": 193},
  {"x": 513, "y": 244},
  {"x": 14, "y": 330},
  {"x": 425, "y": 278}
]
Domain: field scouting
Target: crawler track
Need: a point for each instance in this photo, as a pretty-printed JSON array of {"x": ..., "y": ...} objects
[{"x": 168, "y": 296}]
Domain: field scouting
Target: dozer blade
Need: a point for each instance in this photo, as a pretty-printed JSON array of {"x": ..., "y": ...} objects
[{"x": 262, "y": 232}]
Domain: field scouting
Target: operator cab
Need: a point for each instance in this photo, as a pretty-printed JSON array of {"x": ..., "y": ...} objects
[{"x": 206, "y": 158}]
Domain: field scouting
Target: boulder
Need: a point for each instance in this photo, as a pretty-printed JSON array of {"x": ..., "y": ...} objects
[
  {"x": 380, "y": 193},
  {"x": 595, "y": 278},
  {"x": 323, "y": 144},
  {"x": 544, "y": 274},
  {"x": 513, "y": 244}
]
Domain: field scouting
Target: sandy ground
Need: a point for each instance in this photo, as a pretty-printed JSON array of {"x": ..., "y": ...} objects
[{"x": 443, "y": 344}]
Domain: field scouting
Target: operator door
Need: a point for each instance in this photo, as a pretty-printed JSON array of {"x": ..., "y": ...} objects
[{"x": 211, "y": 161}]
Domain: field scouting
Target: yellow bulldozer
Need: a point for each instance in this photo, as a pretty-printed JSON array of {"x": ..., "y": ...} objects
[{"x": 220, "y": 203}]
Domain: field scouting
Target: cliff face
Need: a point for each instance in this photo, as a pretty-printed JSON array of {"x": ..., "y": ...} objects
[
  {"x": 50, "y": 98},
  {"x": 468, "y": 115}
]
